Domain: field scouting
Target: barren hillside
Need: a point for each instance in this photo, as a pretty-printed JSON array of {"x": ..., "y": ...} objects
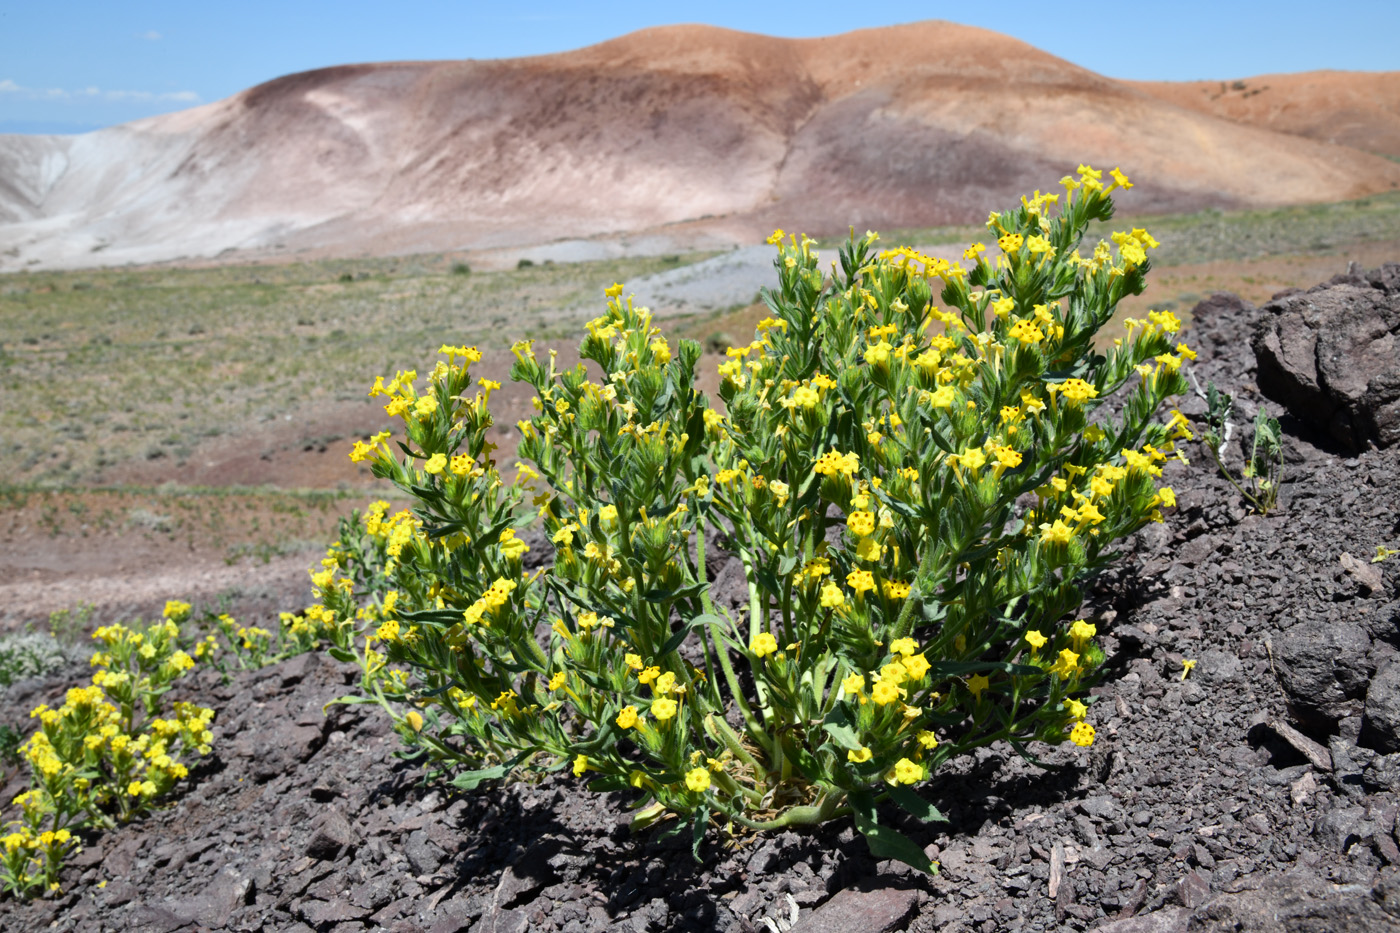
[
  {"x": 701, "y": 134},
  {"x": 1349, "y": 108}
]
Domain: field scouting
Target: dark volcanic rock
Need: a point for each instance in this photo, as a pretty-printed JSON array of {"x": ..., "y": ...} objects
[
  {"x": 1383, "y": 709},
  {"x": 1324, "y": 668},
  {"x": 1331, "y": 356}
]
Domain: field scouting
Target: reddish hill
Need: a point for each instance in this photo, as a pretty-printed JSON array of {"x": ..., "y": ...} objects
[
  {"x": 693, "y": 131},
  {"x": 1350, "y": 108}
]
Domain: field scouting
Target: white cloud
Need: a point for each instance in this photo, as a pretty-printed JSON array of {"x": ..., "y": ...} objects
[
  {"x": 8, "y": 86},
  {"x": 151, "y": 36}
]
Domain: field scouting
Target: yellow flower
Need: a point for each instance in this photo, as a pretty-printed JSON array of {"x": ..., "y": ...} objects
[
  {"x": 854, "y": 685},
  {"x": 976, "y": 684},
  {"x": 435, "y": 464},
  {"x": 858, "y": 755},
  {"x": 415, "y": 720},
  {"x": 859, "y": 580},
  {"x": 973, "y": 458},
  {"x": 663, "y": 708},
  {"x": 884, "y": 692},
  {"x": 903, "y": 646},
  {"x": 558, "y": 680},
  {"x": 698, "y": 780},
  {"x": 580, "y": 765},
  {"x": 1058, "y": 533},
  {"x": 511, "y": 546},
  {"x": 927, "y": 739},
  {"x": 917, "y": 666},
  {"x": 1076, "y": 709},
  {"x": 1067, "y": 665},
  {"x": 832, "y": 597},
  {"x": 627, "y": 718},
  {"x": 1082, "y": 734},
  {"x": 763, "y": 645},
  {"x": 1187, "y": 666},
  {"x": 1080, "y": 632},
  {"x": 861, "y": 523},
  {"x": 906, "y": 772}
]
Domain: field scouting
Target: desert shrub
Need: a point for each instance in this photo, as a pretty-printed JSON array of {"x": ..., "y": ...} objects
[
  {"x": 229, "y": 645},
  {"x": 28, "y": 654},
  {"x": 107, "y": 754},
  {"x": 916, "y": 493}
]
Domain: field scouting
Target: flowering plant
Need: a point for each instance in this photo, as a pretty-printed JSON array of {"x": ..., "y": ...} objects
[
  {"x": 106, "y": 754},
  {"x": 915, "y": 493}
]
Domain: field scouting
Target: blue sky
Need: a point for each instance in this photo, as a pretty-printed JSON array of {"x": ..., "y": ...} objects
[{"x": 68, "y": 66}]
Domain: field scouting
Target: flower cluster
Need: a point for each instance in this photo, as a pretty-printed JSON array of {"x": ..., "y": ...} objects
[
  {"x": 107, "y": 753},
  {"x": 912, "y": 466}
]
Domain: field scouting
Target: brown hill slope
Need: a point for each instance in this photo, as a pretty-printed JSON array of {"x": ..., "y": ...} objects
[
  {"x": 1350, "y": 108},
  {"x": 701, "y": 131}
]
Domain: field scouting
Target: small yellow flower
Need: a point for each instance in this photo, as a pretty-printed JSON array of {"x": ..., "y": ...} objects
[
  {"x": 580, "y": 765},
  {"x": 627, "y": 718},
  {"x": 976, "y": 684},
  {"x": 884, "y": 692},
  {"x": 1187, "y": 666},
  {"x": 903, "y": 647},
  {"x": 415, "y": 720},
  {"x": 1076, "y": 709},
  {"x": 927, "y": 739},
  {"x": 906, "y": 772},
  {"x": 763, "y": 645},
  {"x": 698, "y": 780},
  {"x": 663, "y": 708},
  {"x": 1067, "y": 665},
  {"x": 859, "y": 755},
  {"x": 1082, "y": 734},
  {"x": 832, "y": 597},
  {"x": 861, "y": 523}
]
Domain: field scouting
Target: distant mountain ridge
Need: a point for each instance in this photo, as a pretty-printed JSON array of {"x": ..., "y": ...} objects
[{"x": 691, "y": 133}]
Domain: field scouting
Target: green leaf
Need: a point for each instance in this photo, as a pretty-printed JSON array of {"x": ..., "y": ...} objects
[
  {"x": 839, "y": 726},
  {"x": 340, "y": 654},
  {"x": 443, "y": 617},
  {"x": 697, "y": 830},
  {"x": 916, "y": 805},
  {"x": 608, "y": 782},
  {"x": 883, "y": 841},
  {"x": 684, "y": 592},
  {"x": 470, "y": 780}
]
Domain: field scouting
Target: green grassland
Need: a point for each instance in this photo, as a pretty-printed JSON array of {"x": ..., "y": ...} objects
[{"x": 103, "y": 366}]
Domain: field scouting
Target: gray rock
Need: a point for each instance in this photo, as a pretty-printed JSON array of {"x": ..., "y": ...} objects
[
  {"x": 1296, "y": 901},
  {"x": 331, "y": 834},
  {"x": 424, "y": 856},
  {"x": 1382, "y": 724},
  {"x": 1323, "y": 668},
  {"x": 1169, "y": 920},
  {"x": 878, "y": 910},
  {"x": 1339, "y": 828},
  {"x": 1217, "y": 667},
  {"x": 1330, "y": 357},
  {"x": 1383, "y": 773}
]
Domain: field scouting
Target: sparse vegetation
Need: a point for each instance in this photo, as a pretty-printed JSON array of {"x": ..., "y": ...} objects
[{"x": 144, "y": 363}]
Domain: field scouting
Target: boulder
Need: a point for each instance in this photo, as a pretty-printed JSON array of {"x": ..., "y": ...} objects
[
  {"x": 1382, "y": 724},
  {"x": 1331, "y": 356},
  {"x": 1324, "y": 669}
]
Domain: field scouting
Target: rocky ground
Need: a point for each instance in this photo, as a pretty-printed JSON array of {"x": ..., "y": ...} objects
[{"x": 1258, "y": 793}]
